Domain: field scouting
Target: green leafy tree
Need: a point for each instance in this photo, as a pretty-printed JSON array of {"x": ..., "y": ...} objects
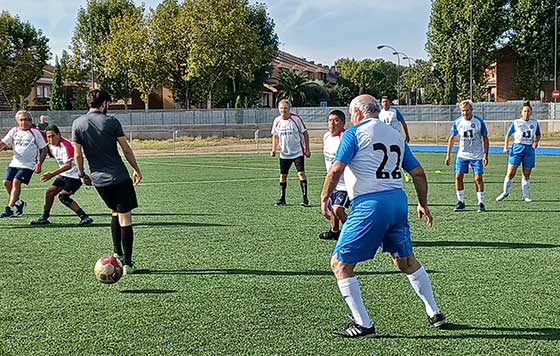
[
  {"x": 24, "y": 52},
  {"x": 56, "y": 101},
  {"x": 292, "y": 86},
  {"x": 449, "y": 34},
  {"x": 340, "y": 95},
  {"x": 423, "y": 82},
  {"x": 314, "y": 94},
  {"x": 374, "y": 77}
]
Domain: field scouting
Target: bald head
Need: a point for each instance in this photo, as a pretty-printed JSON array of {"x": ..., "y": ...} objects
[{"x": 363, "y": 107}]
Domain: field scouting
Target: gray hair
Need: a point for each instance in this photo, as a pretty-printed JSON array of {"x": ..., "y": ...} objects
[
  {"x": 286, "y": 101},
  {"x": 25, "y": 113},
  {"x": 466, "y": 103},
  {"x": 365, "y": 106}
]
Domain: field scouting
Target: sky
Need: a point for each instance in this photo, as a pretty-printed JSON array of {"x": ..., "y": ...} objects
[{"x": 318, "y": 30}]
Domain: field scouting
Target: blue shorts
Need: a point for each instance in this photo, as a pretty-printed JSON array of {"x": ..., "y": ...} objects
[
  {"x": 376, "y": 219},
  {"x": 340, "y": 198},
  {"x": 462, "y": 165},
  {"x": 522, "y": 155},
  {"x": 21, "y": 174}
]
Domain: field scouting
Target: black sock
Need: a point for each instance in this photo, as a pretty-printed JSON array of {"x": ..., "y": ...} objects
[
  {"x": 116, "y": 234},
  {"x": 303, "y": 184},
  {"x": 127, "y": 239},
  {"x": 46, "y": 214},
  {"x": 283, "y": 186},
  {"x": 82, "y": 214}
]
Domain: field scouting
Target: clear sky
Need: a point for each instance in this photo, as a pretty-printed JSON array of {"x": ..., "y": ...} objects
[{"x": 319, "y": 30}]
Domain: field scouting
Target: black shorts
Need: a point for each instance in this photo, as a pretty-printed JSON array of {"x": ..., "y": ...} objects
[
  {"x": 119, "y": 197},
  {"x": 285, "y": 164},
  {"x": 71, "y": 185}
]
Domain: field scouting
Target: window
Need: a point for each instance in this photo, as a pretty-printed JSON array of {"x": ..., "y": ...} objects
[{"x": 40, "y": 91}]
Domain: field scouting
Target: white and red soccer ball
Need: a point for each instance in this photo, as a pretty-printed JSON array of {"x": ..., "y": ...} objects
[{"x": 108, "y": 269}]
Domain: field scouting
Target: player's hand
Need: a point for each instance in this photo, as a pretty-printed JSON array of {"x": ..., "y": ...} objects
[
  {"x": 45, "y": 177},
  {"x": 506, "y": 150},
  {"x": 424, "y": 211},
  {"x": 447, "y": 159},
  {"x": 407, "y": 139},
  {"x": 37, "y": 168},
  {"x": 136, "y": 177},
  {"x": 307, "y": 153},
  {"x": 325, "y": 209},
  {"x": 485, "y": 161},
  {"x": 86, "y": 180},
  {"x": 272, "y": 153}
]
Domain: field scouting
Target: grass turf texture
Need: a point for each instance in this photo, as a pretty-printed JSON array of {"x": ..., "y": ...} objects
[{"x": 224, "y": 271}]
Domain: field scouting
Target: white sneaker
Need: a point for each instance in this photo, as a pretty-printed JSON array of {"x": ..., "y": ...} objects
[
  {"x": 527, "y": 200},
  {"x": 502, "y": 196}
]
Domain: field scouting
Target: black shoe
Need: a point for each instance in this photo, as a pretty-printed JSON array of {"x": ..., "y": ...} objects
[
  {"x": 329, "y": 235},
  {"x": 481, "y": 208},
  {"x": 460, "y": 206},
  {"x": 281, "y": 202},
  {"x": 305, "y": 203},
  {"x": 40, "y": 221},
  {"x": 85, "y": 221},
  {"x": 353, "y": 330},
  {"x": 437, "y": 320}
]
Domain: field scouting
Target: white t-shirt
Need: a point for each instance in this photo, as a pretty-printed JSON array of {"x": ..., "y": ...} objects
[
  {"x": 26, "y": 145},
  {"x": 64, "y": 153},
  {"x": 290, "y": 133},
  {"x": 392, "y": 117},
  {"x": 330, "y": 146},
  {"x": 470, "y": 134},
  {"x": 524, "y": 132}
]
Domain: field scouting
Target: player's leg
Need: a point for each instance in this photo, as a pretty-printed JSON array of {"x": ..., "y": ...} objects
[
  {"x": 285, "y": 165},
  {"x": 109, "y": 197},
  {"x": 50, "y": 194},
  {"x": 8, "y": 180},
  {"x": 8, "y": 186},
  {"x": 71, "y": 186},
  {"x": 15, "y": 194},
  {"x": 528, "y": 165},
  {"x": 23, "y": 176},
  {"x": 461, "y": 167},
  {"x": 300, "y": 166},
  {"x": 478, "y": 171},
  {"x": 126, "y": 202},
  {"x": 508, "y": 181}
]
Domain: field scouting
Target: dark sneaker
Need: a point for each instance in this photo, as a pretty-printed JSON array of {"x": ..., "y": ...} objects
[
  {"x": 460, "y": 206},
  {"x": 481, "y": 208},
  {"x": 8, "y": 213},
  {"x": 281, "y": 202},
  {"x": 40, "y": 221},
  {"x": 353, "y": 330},
  {"x": 329, "y": 235},
  {"x": 305, "y": 203},
  {"x": 129, "y": 269},
  {"x": 437, "y": 320},
  {"x": 119, "y": 257},
  {"x": 85, "y": 221},
  {"x": 20, "y": 207}
]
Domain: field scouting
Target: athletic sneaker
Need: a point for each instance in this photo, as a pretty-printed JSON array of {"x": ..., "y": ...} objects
[
  {"x": 502, "y": 196},
  {"x": 437, "y": 320},
  {"x": 8, "y": 213},
  {"x": 305, "y": 203},
  {"x": 85, "y": 221},
  {"x": 353, "y": 330},
  {"x": 481, "y": 208},
  {"x": 129, "y": 269},
  {"x": 120, "y": 257},
  {"x": 281, "y": 202},
  {"x": 40, "y": 221},
  {"x": 527, "y": 200},
  {"x": 460, "y": 206},
  {"x": 20, "y": 207},
  {"x": 329, "y": 235}
]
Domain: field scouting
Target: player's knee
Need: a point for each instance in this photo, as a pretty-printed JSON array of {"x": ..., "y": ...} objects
[
  {"x": 478, "y": 178},
  {"x": 7, "y": 183},
  {"x": 407, "y": 265},
  {"x": 65, "y": 199}
]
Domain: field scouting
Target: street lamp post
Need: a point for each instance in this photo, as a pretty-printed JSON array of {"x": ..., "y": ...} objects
[
  {"x": 405, "y": 56},
  {"x": 409, "y": 66},
  {"x": 555, "y": 45},
  {"x": 471, "y": 55},
  {"x": 395, "y": 52}
]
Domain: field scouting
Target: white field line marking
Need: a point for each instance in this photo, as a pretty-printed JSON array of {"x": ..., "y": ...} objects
[{"x": 239, "y": 168}]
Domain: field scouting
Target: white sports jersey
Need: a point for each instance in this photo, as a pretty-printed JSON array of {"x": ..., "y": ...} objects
[
  {"x": 26, "y": 145},
  {"x": 524, "y": 132},
  {"x": 470, "y": 134},
  {"x": 330, "y": 146},
  {"x": 392, "y": 117},
  {"x": 64, "y": 153},
  {"x": 374, "y": 154},
  {"x": 290, "y": 133}
]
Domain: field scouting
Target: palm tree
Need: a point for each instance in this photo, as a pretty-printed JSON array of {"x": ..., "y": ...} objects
[{"x": 291, "y": 86}]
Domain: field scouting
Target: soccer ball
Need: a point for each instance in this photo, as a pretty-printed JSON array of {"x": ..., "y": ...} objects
[{"x": 108, "y": 269}]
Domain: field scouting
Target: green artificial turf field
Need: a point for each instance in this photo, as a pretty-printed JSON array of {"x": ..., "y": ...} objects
[{"x": 225, "y": 272}]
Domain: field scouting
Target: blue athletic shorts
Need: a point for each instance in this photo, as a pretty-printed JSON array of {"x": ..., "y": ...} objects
[
  {"x": 21, "y": 174},
  {"x": 376, "y": 219},
  {"x": 340, "y": 198},
  {"x": 522, "y": 155},
  {"x": 462, "y": 165}
]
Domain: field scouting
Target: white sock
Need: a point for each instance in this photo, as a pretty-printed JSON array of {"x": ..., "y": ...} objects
[
  {"x": 420, "y": 282},
  {"x": 507, "y": 185},
  {"x": 350, "y": 290},
  {"x": 525, "y": 184},
  {"x": 461, "y": 195},
  {"x": 480, "y": 196}
]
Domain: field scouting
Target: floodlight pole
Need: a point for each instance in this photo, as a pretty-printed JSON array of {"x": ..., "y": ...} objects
[
  {"x": 471, "y": 54},
  {"x": 395, "y": 52},
  {"x": 405, "y": 56}
]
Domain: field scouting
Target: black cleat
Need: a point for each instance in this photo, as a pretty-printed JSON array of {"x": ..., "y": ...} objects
[
  {"x": 281, "y": 202},
  {"x": 305, "y": 203},
  {"x": 460, "y": 206},
  {"x": 353, "y": 330},
  {"x": 329, "y": 235},
  {"x": 481, "y": 208},
  {"x": 40, "y": 221},
  {"x": 437, "y": 320},
  {"x": 85, "y": 221}
]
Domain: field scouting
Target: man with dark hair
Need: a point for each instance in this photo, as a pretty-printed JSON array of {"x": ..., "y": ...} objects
[
  {"x": 393, "y": 117},
  {"x": 67, "y": 181},
  {"x": 97, "y": 135}
]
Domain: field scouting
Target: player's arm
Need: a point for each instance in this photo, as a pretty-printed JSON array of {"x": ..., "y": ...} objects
[
  {"x": 66, "y": 166},
  {"x": 79, "y": 159},
  {"x": 307, "y": 152},
  {"x": 275, "y": 141},
  {"x": 332, "y": 178},
  {"x": 129, "y": 155},
  {"x": 421, "y": 186},
  {"x": 450, "y": 143},
  {"x": 486, "y": 144},
  {"x": 2, "y": 145},
  {"x": 537, "y": 137},
  {"x": 42, "y": 155},
  {"x": 405, "y": 129}
]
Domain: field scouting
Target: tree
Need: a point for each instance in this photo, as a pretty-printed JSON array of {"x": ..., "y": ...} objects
[
  {"x": 340, "y": 95},
  {"x": 292, "y": 85},
  {"x": 314, "y": 94},
  {"x": 57, "y": 92},
  {"x": 24, "y": 52},
  {"x": 449, "y": 34},
  {"x": 423, "y": 81},
  {"x": 374, "y": 77}
]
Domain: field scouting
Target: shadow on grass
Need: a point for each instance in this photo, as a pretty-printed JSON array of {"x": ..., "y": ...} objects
[
  {"x": 148, "y": 291},
  {"x": 485, "y": 244},
  {"x": 252, "y": 272},
  {"x": 496, "y": 333},
  {"x": 145, "y": 223}
]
